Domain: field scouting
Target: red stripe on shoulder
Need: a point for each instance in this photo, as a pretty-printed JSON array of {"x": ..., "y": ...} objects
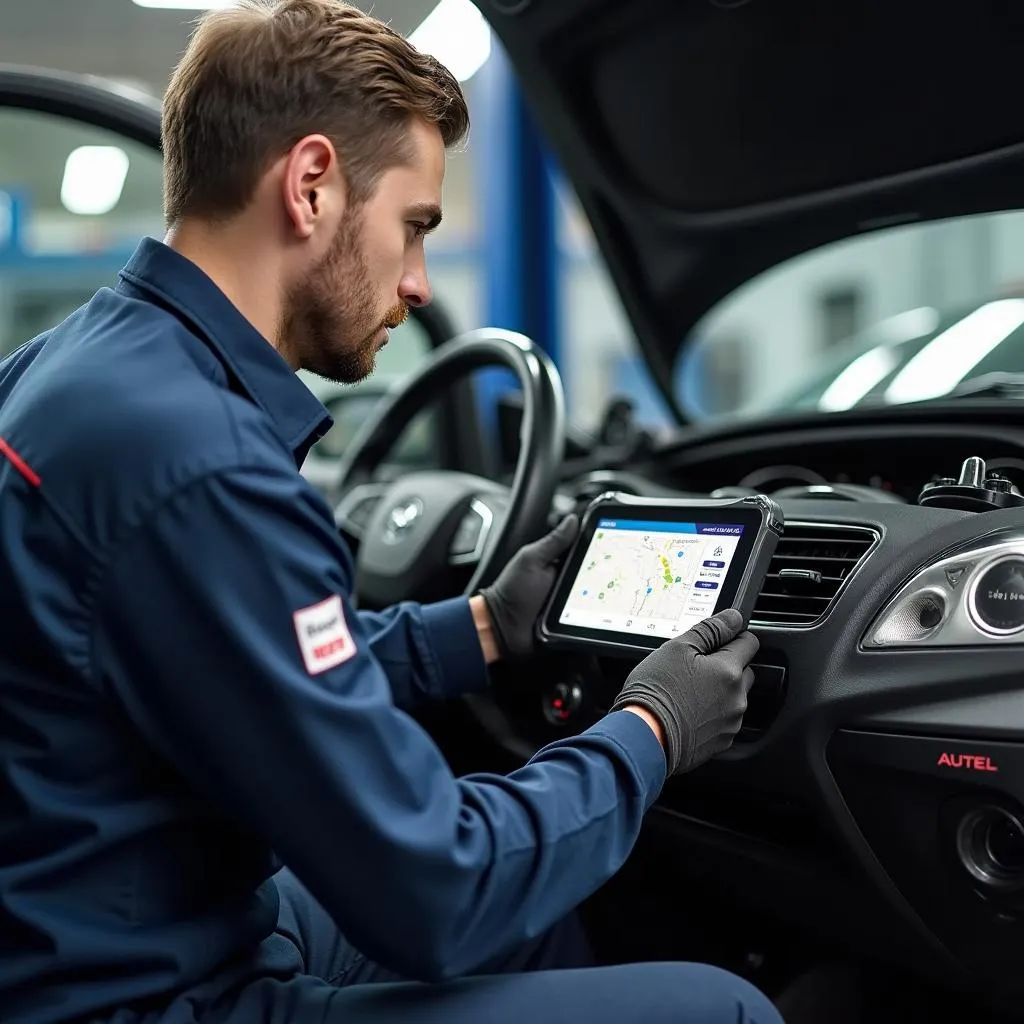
[{"x": 19, "y": 463}]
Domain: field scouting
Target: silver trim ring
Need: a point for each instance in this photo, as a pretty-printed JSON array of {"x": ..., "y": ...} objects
[{"x": 972, "y": 593}]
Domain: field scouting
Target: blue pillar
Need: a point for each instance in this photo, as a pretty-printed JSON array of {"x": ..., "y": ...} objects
[
  {"x": 517, "y": 215},
  {"x": 13, "y": 216}
]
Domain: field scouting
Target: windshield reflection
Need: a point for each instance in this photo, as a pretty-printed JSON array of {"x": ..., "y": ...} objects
[{"x": 900, "y": 315}]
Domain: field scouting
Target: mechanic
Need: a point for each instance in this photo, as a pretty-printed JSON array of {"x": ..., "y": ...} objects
[{"x": 189, "y": 700}]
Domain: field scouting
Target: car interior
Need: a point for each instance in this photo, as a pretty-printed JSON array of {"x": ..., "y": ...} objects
[{"x": 871, "y": 812}]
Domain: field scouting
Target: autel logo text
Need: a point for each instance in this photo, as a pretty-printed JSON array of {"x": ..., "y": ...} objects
[{"x": 974, "y": 762}]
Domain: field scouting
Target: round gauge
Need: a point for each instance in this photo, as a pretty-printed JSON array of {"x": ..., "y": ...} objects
[
  {"x": 774, "y": 478},
  {"x": 997, "y": 598}
]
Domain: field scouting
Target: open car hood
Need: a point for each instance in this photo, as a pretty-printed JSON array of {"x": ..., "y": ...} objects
[{"x": 709, "y": 140}]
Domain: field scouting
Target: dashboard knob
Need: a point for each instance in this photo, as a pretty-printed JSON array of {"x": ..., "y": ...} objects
[
  {"x": 972, "y": 472},
  {"x": 976, "y": 490},
  {"x": 562, "y": 702},
  {"x": 999, "y": 484}
]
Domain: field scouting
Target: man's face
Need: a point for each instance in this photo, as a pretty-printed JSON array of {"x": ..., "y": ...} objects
[{"x": 336, "y": 317}]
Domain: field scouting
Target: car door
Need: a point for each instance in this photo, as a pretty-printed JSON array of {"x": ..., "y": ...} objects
[{"x": 80, "y": 184}]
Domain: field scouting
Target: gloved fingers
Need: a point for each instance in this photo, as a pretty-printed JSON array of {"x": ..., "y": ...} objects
[
  {"x": 726, "y": 738},
  {"x": 747, "y": 682},
  {"x": 559, "y": 540},
  {"x": 711, "y": 634},
  {"x": 740, "y": 652}
]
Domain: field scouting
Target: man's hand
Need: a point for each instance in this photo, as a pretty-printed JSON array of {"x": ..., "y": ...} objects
[
  {"x": 515, "y": 599},
  {"x": 695, "y": 686}
]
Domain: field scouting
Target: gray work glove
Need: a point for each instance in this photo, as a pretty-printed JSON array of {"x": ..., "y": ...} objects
[
  {"x": 515, "y": 599},
  {"x": 696, "y": 686}
]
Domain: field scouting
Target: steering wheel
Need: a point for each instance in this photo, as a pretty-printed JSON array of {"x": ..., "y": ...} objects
[{"x": 420, "y": 536}]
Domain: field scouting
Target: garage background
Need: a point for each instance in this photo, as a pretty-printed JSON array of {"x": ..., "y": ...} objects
[{"x": 56, "y": 249}]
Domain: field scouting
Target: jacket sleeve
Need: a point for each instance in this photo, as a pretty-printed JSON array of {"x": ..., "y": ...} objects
[
  {"x": 223, "y": 624},
  {"x": 428, "y": 652}
]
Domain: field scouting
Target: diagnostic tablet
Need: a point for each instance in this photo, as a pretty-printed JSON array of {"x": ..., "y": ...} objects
[{"x": 645, "y": 570}]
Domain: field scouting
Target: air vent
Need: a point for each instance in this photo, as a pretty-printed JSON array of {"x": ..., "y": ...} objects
[{"x": 811, "y": 566}]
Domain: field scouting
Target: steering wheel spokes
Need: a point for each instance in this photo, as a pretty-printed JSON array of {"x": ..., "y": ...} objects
[
  {"x": 420, "y": 529},
  {"x": 484, "y": 515},
  {"x": 355, "y": 509},
  {"x": 432, "y": 534}
]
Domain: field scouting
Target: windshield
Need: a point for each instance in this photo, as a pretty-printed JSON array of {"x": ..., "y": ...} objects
[{"x": 901, "y": 315}]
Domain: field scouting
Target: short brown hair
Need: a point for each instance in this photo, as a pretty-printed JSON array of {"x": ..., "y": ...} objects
[{"x": 258, "y": 77}]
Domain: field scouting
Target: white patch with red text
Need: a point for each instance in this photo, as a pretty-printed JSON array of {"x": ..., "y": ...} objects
[{"x": 323, "y": 634}]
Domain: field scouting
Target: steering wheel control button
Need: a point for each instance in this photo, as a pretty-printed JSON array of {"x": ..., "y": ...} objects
[
  {"x": 990, "y": 845},
  {"x": 467, "y": 535},
  {"x": 997, "y": 598},
  {"x": 468, "y": 543},
  {"x": 563, "y": 702}
]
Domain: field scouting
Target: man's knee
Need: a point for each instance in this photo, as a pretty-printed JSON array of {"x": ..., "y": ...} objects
[{"x": 698, "y": 993}]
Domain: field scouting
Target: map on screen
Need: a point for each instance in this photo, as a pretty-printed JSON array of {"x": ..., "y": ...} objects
[{"x": 650, "y": 577}]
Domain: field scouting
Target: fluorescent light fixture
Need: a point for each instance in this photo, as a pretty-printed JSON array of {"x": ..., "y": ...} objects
[
  {"x": 93, "y": 179},
  {"x": 185, "y": 5},
  {"x": 458, "y": 35},
  {"x": 950, "y": 356},
  {"x": 858, "y": 379}
]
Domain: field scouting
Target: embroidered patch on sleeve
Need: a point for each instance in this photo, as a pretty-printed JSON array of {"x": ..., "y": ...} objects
[{"x": 323, "y": 634}]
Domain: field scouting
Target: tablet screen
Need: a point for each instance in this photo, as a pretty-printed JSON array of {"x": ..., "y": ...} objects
[{"x": 650, "y": 577}]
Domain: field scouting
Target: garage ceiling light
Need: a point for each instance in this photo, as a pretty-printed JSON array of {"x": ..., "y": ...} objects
[
  {"x": 944, "y": 362},
  {"x": 457, "y": 34},
  {"x": 94, "y": 179}
]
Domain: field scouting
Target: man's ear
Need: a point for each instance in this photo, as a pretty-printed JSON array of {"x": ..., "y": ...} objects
[{"x": 311, "y": 185}]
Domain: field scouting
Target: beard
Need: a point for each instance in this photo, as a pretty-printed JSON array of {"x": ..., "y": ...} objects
[{"x": 331, "y": 322}]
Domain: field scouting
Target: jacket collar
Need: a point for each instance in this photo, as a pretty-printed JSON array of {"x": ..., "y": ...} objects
[{"x": 176, "y": 282}]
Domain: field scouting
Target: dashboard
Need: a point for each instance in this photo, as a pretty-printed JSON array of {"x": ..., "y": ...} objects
[
  {"x": 876, "y": 794},
  {"x": 899, "y": 464}
]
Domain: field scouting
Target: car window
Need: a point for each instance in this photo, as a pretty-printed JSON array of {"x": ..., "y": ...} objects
[
  {"x": 74, "y": 202},
  {"x": 899, "y": 315}
]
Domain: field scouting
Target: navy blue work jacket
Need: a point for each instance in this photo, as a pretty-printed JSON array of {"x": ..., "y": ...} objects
[{"x": 188, "y": 698}]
